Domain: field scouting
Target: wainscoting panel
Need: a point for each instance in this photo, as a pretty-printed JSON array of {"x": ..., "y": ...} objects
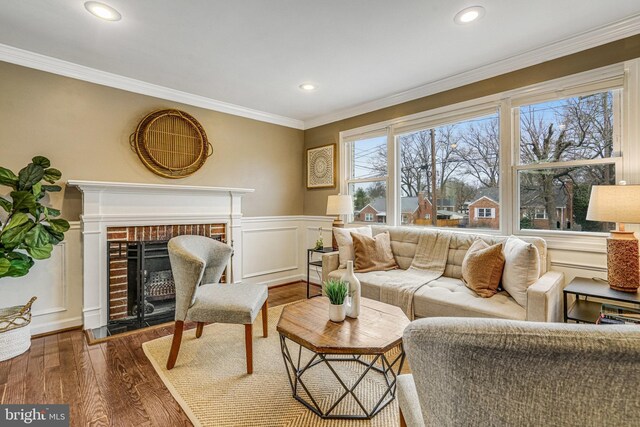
[
  {"x": 269, "y": 250},
  {"x": 57, "y": 282}
]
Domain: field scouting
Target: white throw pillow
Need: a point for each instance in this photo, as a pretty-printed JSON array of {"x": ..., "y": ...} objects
[
  {"x": 521, "y": 268},
  {"x": 345, "y": 242}
]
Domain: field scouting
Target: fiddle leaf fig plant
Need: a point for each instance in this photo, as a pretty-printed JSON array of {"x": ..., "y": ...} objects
[{"x": 28, "y": 229}]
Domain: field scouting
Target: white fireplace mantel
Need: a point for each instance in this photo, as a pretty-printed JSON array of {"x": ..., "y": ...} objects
[{"x": 113, "y": 204}]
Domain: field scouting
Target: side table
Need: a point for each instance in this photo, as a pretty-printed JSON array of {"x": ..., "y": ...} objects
[
  {"x": 317, "y": 263},
  {"x": 587, "y": 311}
]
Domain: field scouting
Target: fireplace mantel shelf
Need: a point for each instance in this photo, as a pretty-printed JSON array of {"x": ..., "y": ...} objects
[{"x": 138, "y": 187}]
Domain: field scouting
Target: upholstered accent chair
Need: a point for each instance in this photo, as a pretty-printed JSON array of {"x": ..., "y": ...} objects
[
  {"x": 513, "y": 373},
  {"x": 197, "y": 264}
]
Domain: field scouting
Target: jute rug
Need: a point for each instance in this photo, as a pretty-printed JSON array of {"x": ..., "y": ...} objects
[{"x": 211, "y": 385}]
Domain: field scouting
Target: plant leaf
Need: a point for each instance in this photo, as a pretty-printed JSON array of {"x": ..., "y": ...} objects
[
  {"x": 8, "y": 178},
  {"x": 36, "y": 237},
  {"x": 41, "y": 161},
  {"x": 15, "y": 230},
  {"x": 59, "y": 225},
  {"x": 52, "y": 212},
  {"x": 23, "y": 201},
  {"x": 5, "y": 264},
  {"x": 5, "y": 204},
  {"x": 37, "y": 189},
  {"x": 51, "y": 175},
  {"x": 55, "y": 237},
  {"x": 29, "y": 176},
  {"x": 52, "y": 188},
  {"x": 41, "y": 252},
  {"x": 19, "y": 267}
]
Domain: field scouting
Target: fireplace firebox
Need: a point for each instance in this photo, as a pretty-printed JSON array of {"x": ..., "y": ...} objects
[{"x": 141, "y": 289}]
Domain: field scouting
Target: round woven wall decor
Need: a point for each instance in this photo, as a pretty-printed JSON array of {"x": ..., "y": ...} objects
[{"x": 171, "y": 143}]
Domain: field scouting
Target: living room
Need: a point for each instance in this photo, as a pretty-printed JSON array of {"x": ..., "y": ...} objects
[{"x": 476, "y": 162}]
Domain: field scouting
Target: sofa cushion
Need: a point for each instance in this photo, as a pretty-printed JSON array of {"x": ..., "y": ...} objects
[
  {"x": 373, "y": 253},
  {"x": 445, "y": 296},
  {"x": 482, "y": 268},
  {"x": 449, "y": 297},
  {"x": 345, "y": 242},
  {"x": 521, "y": 268}
]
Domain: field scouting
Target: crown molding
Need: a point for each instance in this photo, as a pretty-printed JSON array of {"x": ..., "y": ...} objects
[
  {"x": 586, "y": 40},
  {"x": 49, "y": 64}
]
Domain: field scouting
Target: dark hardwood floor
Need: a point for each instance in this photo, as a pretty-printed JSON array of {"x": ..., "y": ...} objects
[{"x": 107, "y": 384}]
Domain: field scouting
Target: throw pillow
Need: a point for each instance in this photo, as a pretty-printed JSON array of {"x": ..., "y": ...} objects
[
  {"x": 482, "y": 268},
  {"x": 345, "y": 243},
  {"x": 521, "y": 268},
  {"x": 373, "y": 253}
]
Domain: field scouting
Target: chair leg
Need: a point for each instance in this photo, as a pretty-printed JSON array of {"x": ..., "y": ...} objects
[
  {"x": 248, "y": 342},
  {"x": 403, "y": 423},
  {"x": 175, "y": 344},
  {"x": 199, "y": 327},
  {"x": 265, "y": 319}
]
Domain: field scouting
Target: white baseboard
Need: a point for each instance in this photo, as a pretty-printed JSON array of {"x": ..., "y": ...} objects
[{"x": 56, "y": 325}]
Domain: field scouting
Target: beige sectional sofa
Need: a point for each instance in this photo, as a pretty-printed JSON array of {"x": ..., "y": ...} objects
[{"x": 448, "y": 296}]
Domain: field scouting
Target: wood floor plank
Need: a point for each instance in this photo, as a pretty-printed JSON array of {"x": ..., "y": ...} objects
[
  {"x": 15, "y": 387},
  {"x": 52, "y": 378},
  {"x": 70, "y": 382},
  {"x": 92, "y": 402},
  {"x": 121, "y": 380},
  {"x": 5, "y": 367},
  {"x": 35, "y": 373},
  {"x": 112, "y": 398}
]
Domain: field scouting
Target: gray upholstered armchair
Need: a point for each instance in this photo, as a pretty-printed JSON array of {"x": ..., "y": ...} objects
[
  {"x": 510, "y": 373},
  {"x": 197, "y": 264}
]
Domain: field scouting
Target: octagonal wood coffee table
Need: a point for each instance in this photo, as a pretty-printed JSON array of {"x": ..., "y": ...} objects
[{"x": 367, "y": 341}]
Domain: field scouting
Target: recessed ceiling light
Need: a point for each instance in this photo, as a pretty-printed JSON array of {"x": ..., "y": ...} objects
[
  {"x": 102, "y": 11},
  {"x": 469, "y": 14},
  {"x": 308, "y": 87}
]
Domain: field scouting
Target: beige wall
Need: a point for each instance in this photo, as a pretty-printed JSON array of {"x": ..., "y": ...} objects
[
  {"x": 84, "y": 129},
  {"x": 315, "y": 201}
]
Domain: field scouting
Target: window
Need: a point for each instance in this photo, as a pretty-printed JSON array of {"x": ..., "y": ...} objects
[
  {"x": 565, "y": 146},
  {"x": 459, "y": 163},
  {"x": 485, "y": 213},
  {"x": 540, "y": 213},
  {"x": 517, "y": 162},
  {"x": 367, "y": 177}
]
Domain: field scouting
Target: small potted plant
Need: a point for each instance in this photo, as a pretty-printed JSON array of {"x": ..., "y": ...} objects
[{"x": 336, "y": 291}]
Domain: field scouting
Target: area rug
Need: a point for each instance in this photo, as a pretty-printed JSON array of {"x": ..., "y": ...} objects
[{"x": 210, "y": 382}]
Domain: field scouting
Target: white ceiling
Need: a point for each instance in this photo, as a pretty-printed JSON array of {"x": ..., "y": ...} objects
[{"x": 255, "y": 53}]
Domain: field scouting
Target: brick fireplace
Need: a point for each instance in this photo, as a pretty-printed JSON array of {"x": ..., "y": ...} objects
[
  {"x": 126, "y": 247},
  {"x": 114, "y": 213}
]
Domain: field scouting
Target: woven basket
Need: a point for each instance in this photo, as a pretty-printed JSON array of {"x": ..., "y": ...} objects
[{"x": 15, "y": 330}]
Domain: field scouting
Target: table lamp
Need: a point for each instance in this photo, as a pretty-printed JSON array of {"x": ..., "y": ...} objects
[
  {"x": 620, "y": 204},
  {"x": 338, "y": 205}
]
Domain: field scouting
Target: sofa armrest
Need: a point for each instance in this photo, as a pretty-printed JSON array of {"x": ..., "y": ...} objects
[
  {"x": 330, "y": 262},
  {"x": 544, "y": 298}
]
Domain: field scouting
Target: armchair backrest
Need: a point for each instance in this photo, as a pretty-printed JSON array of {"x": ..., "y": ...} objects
[
  {"x": 505, "y": 373},
  {"x": 195, "y": 260}
]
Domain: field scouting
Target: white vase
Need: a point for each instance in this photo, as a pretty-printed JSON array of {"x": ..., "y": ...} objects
[
  {"x": 337, "y": 312},
  {"x": 355, "y": 291}
]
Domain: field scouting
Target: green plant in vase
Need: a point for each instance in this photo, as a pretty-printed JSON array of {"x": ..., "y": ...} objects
[
  {"x": 336, "y": 291},
  {"x": 28, "y": 228}
]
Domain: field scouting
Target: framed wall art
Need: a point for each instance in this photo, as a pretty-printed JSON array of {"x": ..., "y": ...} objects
[{"x": 321, "y": 166}]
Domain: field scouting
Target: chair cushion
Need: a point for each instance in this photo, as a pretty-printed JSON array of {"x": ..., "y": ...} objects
[
  {"x": 227, "y": 303},
  {"x": 408, "y": 401}
]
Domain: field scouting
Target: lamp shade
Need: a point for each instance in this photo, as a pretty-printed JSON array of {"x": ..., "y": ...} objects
[
  {"x": 339, "y": 205},
  {"x": 615, "y": 203}
]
